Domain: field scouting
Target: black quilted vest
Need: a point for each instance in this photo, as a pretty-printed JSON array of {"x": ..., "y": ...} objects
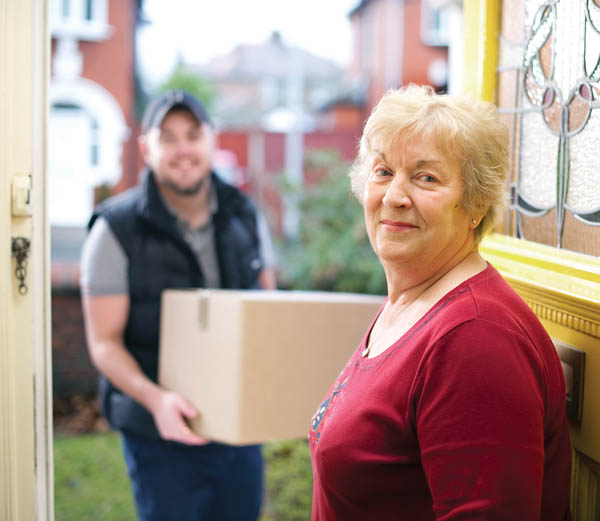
[{"x": 159, "y": 258}]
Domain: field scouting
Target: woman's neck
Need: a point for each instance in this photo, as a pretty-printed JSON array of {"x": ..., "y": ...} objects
[
  {"x": 406, "y": 305},
  {"x": 407, "y": 285}
]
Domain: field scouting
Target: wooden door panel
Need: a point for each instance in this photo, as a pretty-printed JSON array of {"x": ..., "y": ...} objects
[
  {"x": 585, "y": 488},
  {"x": 563, "y": 290}
]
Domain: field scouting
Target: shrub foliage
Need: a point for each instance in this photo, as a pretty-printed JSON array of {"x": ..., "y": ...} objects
[{"x": 332, "y": 251}]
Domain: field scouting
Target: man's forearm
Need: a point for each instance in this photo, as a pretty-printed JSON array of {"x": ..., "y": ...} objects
[{"x": 113, "y": 360}]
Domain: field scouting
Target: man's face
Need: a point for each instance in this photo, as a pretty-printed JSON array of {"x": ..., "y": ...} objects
[{"x": 180, "y": 152}]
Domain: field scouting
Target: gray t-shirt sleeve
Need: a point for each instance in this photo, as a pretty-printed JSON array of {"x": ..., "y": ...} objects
[
  {"x": 267, "y": 252},
  {"x": 103, "y": 263}
]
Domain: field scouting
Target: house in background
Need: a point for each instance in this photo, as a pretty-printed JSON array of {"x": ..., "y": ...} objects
[
  {"x": 92, "y": 100},
  {"x": 91, "y": 149},
  {"x": 268, "y": 111},
  {"x": 257, "y": 84},
  {"x": 275, "y": 102},
  {"x": 395, "y": 43}
]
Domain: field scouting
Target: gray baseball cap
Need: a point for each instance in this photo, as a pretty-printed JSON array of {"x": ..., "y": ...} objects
[{"x": 159, "y": 107}]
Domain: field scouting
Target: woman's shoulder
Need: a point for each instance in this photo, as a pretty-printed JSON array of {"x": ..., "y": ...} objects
[
  {"x": 497, "y": 302},
  {"x": 495, "y": 320},
  {"x": 486, "y": 305}
]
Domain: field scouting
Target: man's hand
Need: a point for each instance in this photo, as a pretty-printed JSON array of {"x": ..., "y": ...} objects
[
  {"x": 169, "y": 412},
  {"x": 106, "y": 319}
]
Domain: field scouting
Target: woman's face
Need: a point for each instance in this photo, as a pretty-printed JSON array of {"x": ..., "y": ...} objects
[{"x": 412, "y": 204}]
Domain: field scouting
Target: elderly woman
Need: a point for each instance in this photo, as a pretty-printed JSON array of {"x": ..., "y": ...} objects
[{"x": 453, "y": 406}]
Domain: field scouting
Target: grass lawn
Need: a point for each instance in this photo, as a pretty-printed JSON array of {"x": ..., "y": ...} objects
[{"x": 91, "y": 481}]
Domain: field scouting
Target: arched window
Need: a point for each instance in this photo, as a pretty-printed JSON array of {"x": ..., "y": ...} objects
[
  {"x": 81, "y": 19},
  {"x": 86, "y": 132},
  {"x": 72, "y": 156}
]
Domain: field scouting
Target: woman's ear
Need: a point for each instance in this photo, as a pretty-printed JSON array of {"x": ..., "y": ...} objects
[
  {"x": 478, "y": 216},
  {"x": 476, "y": 220}
]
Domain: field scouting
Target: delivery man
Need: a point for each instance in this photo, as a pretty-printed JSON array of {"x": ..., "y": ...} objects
[{"x": 182, "y": 227}]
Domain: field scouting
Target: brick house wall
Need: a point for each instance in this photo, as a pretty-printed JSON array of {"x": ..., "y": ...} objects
[
  {"x": 109, "y": 63},
  {"x": 72, "y": 369},
  {"x": 265, "y": 186},
  {"x": 388, "y": 47}
]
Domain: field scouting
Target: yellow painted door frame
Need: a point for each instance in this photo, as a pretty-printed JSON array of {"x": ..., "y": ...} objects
[
  {"x": 562, "y": 287},
  {"x": 481, "y": 25},
  {"x": 26, "y": 491}
]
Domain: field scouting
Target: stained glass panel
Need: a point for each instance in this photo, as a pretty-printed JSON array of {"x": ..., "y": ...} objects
[{"x": 549, "y": 69}]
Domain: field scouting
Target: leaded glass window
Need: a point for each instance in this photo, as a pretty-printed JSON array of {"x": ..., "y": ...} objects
[{"x": 549, "y": 92}]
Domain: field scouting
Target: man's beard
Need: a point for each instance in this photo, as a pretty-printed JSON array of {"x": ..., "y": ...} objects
[{"x": 184, "y": 191}]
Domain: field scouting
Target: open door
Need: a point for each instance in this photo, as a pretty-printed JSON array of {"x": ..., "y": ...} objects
[
  {"x": 540, "y": 62},
  {"x": 25, "y": 392}
]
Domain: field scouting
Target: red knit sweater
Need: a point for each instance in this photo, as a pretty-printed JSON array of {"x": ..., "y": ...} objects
[{"x": 463, "y": 418}]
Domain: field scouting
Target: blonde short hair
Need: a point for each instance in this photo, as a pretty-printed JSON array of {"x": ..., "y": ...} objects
[{"x": 468, "y": 130}]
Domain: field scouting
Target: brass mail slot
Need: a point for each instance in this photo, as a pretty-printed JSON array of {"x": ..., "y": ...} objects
[{"x": 573, "y": 365}]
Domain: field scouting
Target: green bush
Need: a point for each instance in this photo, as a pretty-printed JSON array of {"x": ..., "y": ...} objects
[
  {"x": 332, "y": 251},
  {"x": 288, "y": 481}
]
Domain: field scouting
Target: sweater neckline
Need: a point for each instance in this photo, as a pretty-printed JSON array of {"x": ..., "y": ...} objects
[{"x": 446, "y": 299}]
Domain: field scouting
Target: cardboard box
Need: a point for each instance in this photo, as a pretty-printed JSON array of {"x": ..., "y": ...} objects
[{"x": 256, "y": 364}]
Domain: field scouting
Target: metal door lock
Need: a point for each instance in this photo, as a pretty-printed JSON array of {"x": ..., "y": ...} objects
[
  {"x": 21, "y": 195},
  {"x": 20, "y": 251}
]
